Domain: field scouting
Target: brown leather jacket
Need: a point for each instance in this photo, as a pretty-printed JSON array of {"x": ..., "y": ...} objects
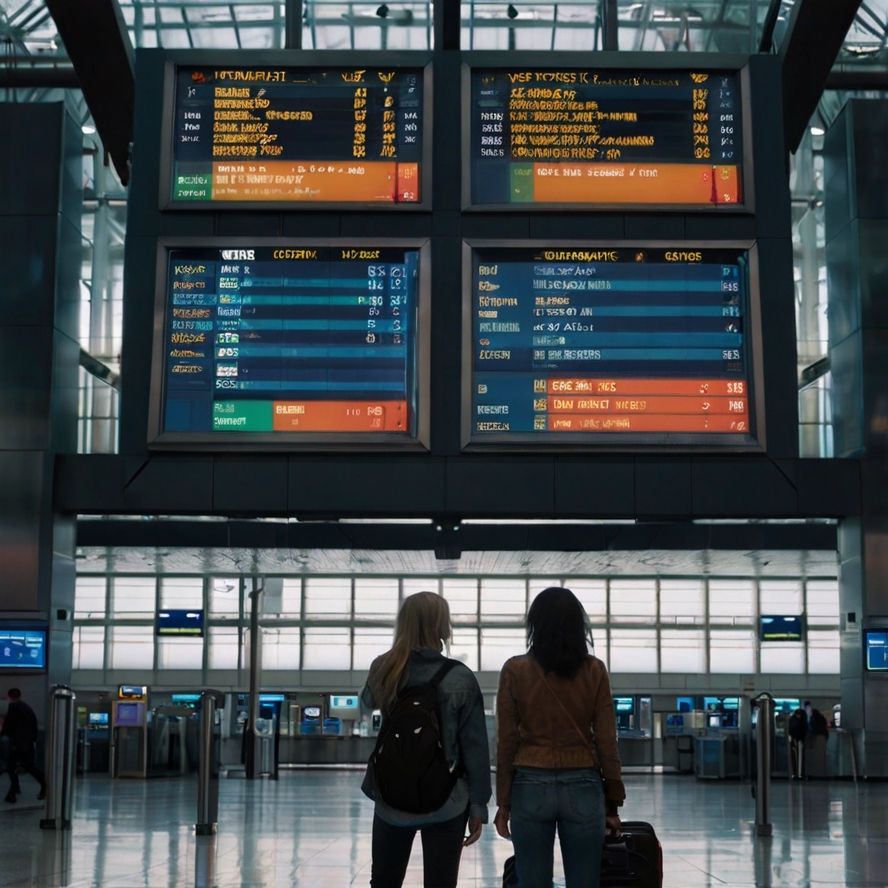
[{"x": 535, "y": 731}]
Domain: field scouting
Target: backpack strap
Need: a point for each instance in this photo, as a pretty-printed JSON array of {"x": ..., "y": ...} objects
[{"x": 438, "y": 677}]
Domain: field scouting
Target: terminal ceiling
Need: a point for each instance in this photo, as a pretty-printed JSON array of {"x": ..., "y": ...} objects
[{"x": 392, "y": 562}]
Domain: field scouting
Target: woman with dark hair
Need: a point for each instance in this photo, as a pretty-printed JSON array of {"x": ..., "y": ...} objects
[{"x": 557, "y": 760}]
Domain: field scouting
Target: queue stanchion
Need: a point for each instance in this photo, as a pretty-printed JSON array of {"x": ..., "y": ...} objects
[
  {"x": 764, "y": 755},
  {"x": 61, "y": 760},
  {"x": 208, "y": 764}
]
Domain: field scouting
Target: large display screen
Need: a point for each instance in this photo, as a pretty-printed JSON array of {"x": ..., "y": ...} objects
[
  {"x": 585, "y": 136},
  {"x": 610, "y": 345},
  {"x": 297, "y": 135},
  {"x": 282, "y": 342},
  {"x": 877, "y": 650},
  {"x": 22, "y": 648}
]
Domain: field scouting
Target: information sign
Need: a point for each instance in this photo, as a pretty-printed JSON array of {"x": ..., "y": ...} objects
[
  {"x": 612, "y": 138},
  {"x": 632, "y": 343},
  {"x": 282, "y": 341},
  {"x": 297, "y": 135}
]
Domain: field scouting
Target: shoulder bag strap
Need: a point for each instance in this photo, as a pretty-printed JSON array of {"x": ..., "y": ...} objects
[{"x": 583, "y": 736}]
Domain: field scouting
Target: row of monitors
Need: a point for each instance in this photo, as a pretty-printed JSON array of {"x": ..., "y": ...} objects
[
  {"x": 317, "y": 343},
  {"x": 317, "y": 136}
]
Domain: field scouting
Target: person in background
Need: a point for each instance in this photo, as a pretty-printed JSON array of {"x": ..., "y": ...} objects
[
  {"x": 557, "y": 760},
  {"x": 421, "y": 633},
  {"x": 20, "y": 726}
]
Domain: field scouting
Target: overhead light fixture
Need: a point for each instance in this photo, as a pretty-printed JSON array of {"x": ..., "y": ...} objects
[
  {"x": 383, "y": 11},
  {"x": 88, "y": 129},
  {"x": 818, "y": 131},
  {"x": 511, "y": 12}
]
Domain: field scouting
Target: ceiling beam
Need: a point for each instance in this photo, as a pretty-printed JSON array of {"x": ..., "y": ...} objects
[
  {"x": 97, "y": 42},
  {"x": 814, "y": 36}
]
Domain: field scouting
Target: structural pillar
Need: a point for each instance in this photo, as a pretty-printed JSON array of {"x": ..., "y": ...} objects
[
  {"x": 856, "y": 202},
  {"x": 40, "y": 257}
]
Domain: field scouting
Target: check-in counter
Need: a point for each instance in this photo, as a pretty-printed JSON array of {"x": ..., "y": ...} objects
[
  {"x": 841, "y": 758},
  {"x": 717, "y": 756},
  {"x": 325, "y": 750},
  {"x": 636, "y": 749}
]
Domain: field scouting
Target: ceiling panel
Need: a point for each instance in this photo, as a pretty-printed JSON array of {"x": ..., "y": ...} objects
[{"x": 652, "y": 562}]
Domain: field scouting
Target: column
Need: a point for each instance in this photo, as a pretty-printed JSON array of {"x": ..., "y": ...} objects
[
  {"x": 40, "y": 257},
  {"x": 856, "y": 200}
]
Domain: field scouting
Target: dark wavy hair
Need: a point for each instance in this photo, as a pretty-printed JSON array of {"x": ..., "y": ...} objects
[{"x": 558, "y": 632}]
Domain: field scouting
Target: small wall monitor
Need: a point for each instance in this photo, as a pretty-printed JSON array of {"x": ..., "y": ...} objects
[
  {"x": 685, "y": 704},
  {"x": 22, "y": 648},
  {"x": 291, "y": 344},
  {"x": 592, "y": 137},
  {"x": 308, "y": 136},
  {"x": 613, "y": 346},
  {"x": 271, "y": 698},
  {"x": 132, "y": 692},
  {"x": 186, "y": 698},
  {"x": 181, "y": 623},
  {"x": 787, "y": 704},
  {"x": 876, "y": 643},
  {"x": 343, "y": 706},
  {"x": 98, "y": 718},
  {"x": 781, "y": 628},
  {"x": 624, "y": 704}
]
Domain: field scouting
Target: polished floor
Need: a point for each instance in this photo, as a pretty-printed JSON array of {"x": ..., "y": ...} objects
[{"x": 312, "y": 829}]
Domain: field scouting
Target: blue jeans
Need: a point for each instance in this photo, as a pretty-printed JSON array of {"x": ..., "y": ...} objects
[{"x": 571, "y": 800}]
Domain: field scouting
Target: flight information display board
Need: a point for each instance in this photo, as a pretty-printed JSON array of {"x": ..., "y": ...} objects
[
  {"x": 297, "y": 135},
  {"x": 610, "y": 345},
  {"x": 605, "y": 138},
  {"x": 275, "y": 342}
]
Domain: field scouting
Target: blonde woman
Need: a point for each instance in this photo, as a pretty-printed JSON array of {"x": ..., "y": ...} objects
[{"x": 431, "y": 768}]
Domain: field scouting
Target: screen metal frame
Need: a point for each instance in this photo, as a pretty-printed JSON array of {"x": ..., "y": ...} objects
[
  {"x": 618, "y": 61},
  {"x": 571, "y": 442},
  {"x": 246, "y": 442},
  {"x": 291, "y": 59}
]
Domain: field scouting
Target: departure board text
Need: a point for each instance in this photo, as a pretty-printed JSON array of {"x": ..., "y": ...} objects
[
  {"x": 584, "y": 136},
  {"x": 295, "y": 339},
  {"x": 298, "y": 135},
  {"x": 608, "y": 342}
]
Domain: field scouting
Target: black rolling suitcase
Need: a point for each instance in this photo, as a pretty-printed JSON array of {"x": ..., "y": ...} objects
[{"x": 634, "y": 860}]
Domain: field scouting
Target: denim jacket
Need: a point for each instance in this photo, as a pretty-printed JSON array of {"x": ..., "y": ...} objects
[{"x": 464, "y": 735}]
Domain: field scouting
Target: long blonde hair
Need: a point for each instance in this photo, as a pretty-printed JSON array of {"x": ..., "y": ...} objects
[{"x": 423, "y": 622}]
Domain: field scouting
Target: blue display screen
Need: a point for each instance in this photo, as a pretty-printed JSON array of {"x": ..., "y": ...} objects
[
  {"x": 180, "y": 622},
  {"x": 631, "y": 344},
  {"x": 877, "y": 650},
  {"x": 98, "y": 718},
  {"x": 128, "y": 714},
  {"x": 22, "y": 648},
  {"x": 781, "y": 628},
  {"x": 685, "y": 704},
  {"x": 624, "y": 704},
  {"x": 721, "y": 703},
  {"x": 276, "y": 341}
]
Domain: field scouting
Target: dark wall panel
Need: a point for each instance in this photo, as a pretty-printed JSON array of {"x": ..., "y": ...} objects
[
  {"x": 753, "y": 488},
  {"x": 366, "y": 486},
  {"x": 606, "y": 486},
  {"x": 513, "y": 488}
]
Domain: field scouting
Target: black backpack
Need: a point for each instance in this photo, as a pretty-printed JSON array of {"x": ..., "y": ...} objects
[{"x": 412, "y": 773}]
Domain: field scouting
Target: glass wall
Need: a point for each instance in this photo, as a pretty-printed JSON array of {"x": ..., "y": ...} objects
[{"x": 673, "y": 626}]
